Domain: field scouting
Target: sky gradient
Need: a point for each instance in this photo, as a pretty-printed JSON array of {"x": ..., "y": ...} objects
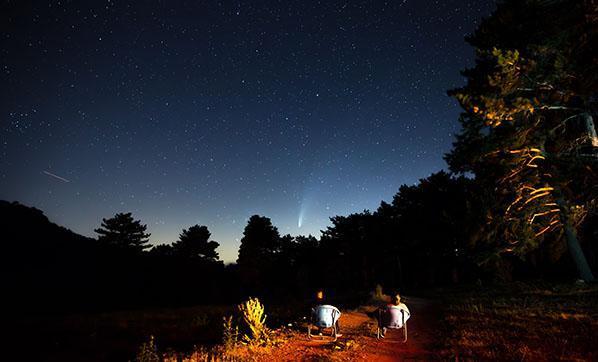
[{"x": 205, "y": 112}]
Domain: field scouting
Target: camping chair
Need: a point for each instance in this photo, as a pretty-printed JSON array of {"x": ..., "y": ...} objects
[
  {"x": 324, "y": 317},
  {"x": 392, "y": 317}
]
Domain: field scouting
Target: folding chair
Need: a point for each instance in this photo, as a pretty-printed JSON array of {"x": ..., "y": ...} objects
[
  {"x": 392, "y": 317},
  {"x": 324, "y": 317}
]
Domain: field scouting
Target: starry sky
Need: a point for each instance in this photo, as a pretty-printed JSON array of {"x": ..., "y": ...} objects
[{"x": 207, "y": 112}]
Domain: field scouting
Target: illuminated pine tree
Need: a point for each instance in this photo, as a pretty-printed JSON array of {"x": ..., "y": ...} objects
[{"x": 528, "y": 131}]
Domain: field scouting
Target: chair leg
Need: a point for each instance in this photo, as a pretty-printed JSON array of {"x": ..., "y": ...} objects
[
  {"x": 378, "y": 332},
  {"x": 309, "y": 332}
]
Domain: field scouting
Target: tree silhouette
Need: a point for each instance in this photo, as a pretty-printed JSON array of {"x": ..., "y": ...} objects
[
  {"x": 196, "y": 243},
  {"x": 528, "y": 130},
  {"x": 123, "y": 232},
  {"x": 421, "y": 238},
  {"x": 162, "y": 250},
  {"x": 257, "y": 254},
  {"x": 433, "y": 220},
  {"x": 260, "y": 240}
]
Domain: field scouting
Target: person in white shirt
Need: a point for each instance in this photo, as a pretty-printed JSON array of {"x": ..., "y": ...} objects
[{"x": 396, "y": 314}]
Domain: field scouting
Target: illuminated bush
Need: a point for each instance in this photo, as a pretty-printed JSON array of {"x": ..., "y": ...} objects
[{"x": 255, "y": 319}]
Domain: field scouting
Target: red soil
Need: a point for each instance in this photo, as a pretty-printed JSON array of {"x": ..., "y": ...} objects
[{"x": 359, "y": 343}]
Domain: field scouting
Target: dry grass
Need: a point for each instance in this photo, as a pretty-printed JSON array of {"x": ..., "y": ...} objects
[
  {"x": 523, "y": 322},
  {"x": 221, "y": 353},
  {"x": 113, "y": 336},
  {"x": 257, "y": 343}
]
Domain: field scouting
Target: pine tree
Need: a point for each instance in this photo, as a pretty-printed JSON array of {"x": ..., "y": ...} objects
[
  {"x": 528, "y": 132},
  {"x": 260, "y": 240},
  {"x": 260, "y": 246},
  {"x": 122, "y": 231},
  {"x": 196, "y": 243}
]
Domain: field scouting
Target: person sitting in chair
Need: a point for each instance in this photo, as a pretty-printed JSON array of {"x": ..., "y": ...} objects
[
  {"x": 324, "y": 314},
  {"x": 396, "y": 302},
  {"x": 394, "y": 316}
]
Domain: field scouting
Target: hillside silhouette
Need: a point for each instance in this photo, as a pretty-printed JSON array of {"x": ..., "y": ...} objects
[{"x": 49, "y": 268}]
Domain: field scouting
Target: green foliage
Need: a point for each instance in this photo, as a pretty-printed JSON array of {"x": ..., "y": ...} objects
[{"x": 522, "y": 104}]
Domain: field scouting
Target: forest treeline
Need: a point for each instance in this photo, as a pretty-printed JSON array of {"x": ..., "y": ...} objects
[
  {"x": 519, "y": 199},
  {"x": 425, "y": 237}
]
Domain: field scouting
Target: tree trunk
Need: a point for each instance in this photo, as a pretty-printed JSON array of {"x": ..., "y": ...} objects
[
  {"x": 575, "y": 250},
  {"x": 590, "y": 129}
]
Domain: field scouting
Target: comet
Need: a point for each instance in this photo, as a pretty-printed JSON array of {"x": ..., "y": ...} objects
[
  {"x": 56, "y": 176},
  {"x": 300, "y": 220},
  {"x": 302, "y": 212}
]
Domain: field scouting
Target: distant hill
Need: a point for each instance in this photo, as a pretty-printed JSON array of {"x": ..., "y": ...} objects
[
  {"x": 27, "y": 226},
  {"x": 48, "y": 268},
  {"x": 41, "y": 263}
]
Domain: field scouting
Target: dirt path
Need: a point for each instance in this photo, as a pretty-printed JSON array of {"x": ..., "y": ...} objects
[
  {"x": 359, "y": 343},
  {"x": 423, "y": 335}
]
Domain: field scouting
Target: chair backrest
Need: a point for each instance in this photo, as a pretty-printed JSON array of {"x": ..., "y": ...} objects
[
  {"x": 325, "y": 316},
  {"x": 393, "y": 317}
]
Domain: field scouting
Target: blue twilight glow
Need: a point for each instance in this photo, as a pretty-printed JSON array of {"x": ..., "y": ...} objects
[{"x": 207, "y": 112}]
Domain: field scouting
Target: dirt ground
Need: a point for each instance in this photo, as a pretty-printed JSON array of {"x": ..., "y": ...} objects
[{"x": 358, "y": 341}]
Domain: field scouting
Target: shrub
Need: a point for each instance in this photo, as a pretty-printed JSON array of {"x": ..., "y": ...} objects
[
  {"x": 148, "y": 352},
  {"x": 255, "y": 319},
  {"x": 201, "y": 320},
  {"x": 230, "y": 334}
]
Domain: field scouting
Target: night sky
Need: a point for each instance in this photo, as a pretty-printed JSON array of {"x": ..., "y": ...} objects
[{"x": 205, "y": 112}]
